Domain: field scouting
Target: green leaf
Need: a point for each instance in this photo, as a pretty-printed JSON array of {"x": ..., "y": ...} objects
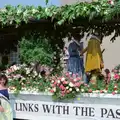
[{"x": 46, "y": 1}]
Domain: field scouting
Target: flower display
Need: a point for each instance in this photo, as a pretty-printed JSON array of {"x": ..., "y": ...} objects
[
  {"x": 24, "y": 78},
  {"x": 65, "y": 87}
]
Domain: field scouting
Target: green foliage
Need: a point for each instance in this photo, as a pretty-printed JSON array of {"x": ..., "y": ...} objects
[
  {"x": 101, "y": 9},
  {"x": 36, "y": 49},
  {"x": 46, "y": 1}
]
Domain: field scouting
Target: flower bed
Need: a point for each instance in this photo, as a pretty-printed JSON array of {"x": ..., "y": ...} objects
[{"x": 62, "y": 87}]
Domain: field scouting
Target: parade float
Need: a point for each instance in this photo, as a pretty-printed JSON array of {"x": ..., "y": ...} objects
[{"x": 58, "y": 95}]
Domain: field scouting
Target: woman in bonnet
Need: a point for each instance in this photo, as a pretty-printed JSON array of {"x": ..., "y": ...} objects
[{"x": 94, "y": 59}]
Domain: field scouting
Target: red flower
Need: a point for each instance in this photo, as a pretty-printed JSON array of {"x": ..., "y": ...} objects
[
  {"x": 101, "y": 91},
  {"x": 90, "y": 90}
]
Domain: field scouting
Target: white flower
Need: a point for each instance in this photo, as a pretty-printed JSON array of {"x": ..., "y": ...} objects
[
  {"x": 67, "y": 87},
  {"x": 52, "y": 81},
  {"x": 15, "y": 67},
  {"x": 34, "y": 11},
  {"x": 75, "y": 79},
  {"x": 77, "y": 89},
  {"x": 23, "y": 78},
  {"x": 58, "y": 81},
  {"x": 105, "y": 91},
  {"x": 35, "y": 73},
  {"x": 49, "y": 88},
  {"x": 82, "y": 90},
  {"x": 112, "y": 76},
  {"x": 54, "y": 89},
  {"x": 62, "y": 79},
  {"x": 71, "y": 84},
  {"x": 116, "y": 91},
  {"x": 46, "y": 90},
  {"x": 70, "y": 89}
]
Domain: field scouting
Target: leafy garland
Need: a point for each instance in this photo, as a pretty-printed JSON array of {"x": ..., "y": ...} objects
[
  {"x": 101, "y": 10},
  {"x": 101, "y": 15}
]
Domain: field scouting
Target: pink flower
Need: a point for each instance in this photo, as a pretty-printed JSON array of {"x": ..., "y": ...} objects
[
  {"x": 67, "y": 74},
  {"x": 65, "y": 82},
  {"x": 101, "y": 91},
  {"x": 79, "y": 78},
  {"x": 55, "y": 83},
  {"x": 52, "y": 91},
  {"x": 77, "y": 84},
  {"x": 113, "y": 93},
  {"x": 58, "y": 84},
  {"x": 63, "y": 93},
  {"x": 90, "y": 90},
  {"x": 67, "y": 91},
  {"x": 62, "y": 87},
  {"x": 74, "y": 75},
  {"x": 86, "y": 85},
  {"x": 116, "y": 76}
]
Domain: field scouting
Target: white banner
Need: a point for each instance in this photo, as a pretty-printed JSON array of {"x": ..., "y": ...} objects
[{"x": 35, "y": 110}]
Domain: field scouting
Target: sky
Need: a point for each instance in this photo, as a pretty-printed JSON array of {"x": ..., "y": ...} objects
[{"x": 28, "y": 2}]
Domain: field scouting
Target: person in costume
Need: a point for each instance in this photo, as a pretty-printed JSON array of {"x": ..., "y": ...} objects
[
  {"x": 94, "y": 58},
  {"x": 5, "y": 107},
  {"x": 74, "y": 61}
]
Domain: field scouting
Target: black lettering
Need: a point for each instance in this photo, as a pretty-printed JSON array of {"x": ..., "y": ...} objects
[
  {"x": 110, "y": 113},
  {"x": 20, "y": 106},
  {"x": 16, "y": 107},
  {"x": 91, "y": 110},
  {"x": 46, "y": 108},
  {"x": 58, "y": 106},
  {"x": 30, "y": 108},
  {"x": 118, "y": 113},
  {"x": 24, "y": 107},
  {"x": 53, "y": 109},
  {"x": 84, "y": 111},
  {"x": 76, "y": 110},
  {"x": 36, "y": 108},
  {"x": 66, "y": 110},
  {"x": 103, "y": 112}
]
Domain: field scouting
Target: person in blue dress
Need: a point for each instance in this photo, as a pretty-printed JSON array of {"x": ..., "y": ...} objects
[{"x": 75, "y": 65}]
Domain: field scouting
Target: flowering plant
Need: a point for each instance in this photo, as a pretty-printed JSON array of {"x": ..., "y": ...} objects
[
  {"x": 24, "y": 77},
  {"x": 115, "y": 74},
  {"x": 65, "y": 87}
]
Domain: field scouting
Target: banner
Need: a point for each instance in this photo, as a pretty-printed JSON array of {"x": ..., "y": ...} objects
[{"x": 73, "y": 111}]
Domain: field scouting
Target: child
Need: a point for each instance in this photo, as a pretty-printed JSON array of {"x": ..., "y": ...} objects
[
  {"x": 5, "y": 107},
  {"x": 107, "y": 76}
]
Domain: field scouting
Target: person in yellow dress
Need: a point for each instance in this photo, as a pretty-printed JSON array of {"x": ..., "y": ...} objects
[{"x": 94, "y": 59}]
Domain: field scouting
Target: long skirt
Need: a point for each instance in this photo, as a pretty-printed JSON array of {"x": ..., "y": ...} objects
[{"x": 74, "y": 65}]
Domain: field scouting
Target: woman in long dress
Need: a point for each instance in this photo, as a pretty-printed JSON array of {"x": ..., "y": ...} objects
[
  {"x": 74, "y": 61},
  {"x": 94, "y": 59}
]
